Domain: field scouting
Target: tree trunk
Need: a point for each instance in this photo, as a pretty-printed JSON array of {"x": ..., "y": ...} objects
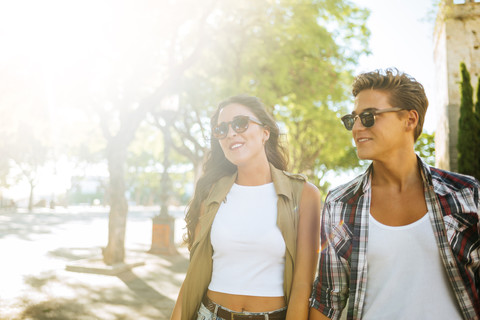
[
  {"x": 115, "y": 250},
  {"x": 30, "y": 198}
]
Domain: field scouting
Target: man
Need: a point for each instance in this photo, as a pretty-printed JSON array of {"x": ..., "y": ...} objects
[{"x": 400, "y": 241}]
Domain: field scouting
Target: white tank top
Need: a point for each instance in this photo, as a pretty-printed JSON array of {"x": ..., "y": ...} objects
[
  {"x": 405, "y": 274},
  {"x": 248, "y": 247}
]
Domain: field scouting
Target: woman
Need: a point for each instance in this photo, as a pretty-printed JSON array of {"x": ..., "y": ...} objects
[{"x": 252, "y": 228}]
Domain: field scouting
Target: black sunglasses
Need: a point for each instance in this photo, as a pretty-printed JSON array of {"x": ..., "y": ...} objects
[
  {"x": 239, "y": 124},
  {"x": 367, "y": 117}
]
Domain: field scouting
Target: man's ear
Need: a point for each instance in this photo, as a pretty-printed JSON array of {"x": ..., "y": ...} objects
[{"x": 412, "y": 120}]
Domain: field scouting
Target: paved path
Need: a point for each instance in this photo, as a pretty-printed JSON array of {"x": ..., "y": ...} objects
[{"x": 35, "y": 249}]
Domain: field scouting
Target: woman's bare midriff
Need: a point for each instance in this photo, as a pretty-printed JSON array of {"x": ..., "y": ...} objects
[{"x": 241, "y": 303}]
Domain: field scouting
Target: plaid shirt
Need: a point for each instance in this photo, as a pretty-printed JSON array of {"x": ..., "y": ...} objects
[{"x": 454, "y": 209}]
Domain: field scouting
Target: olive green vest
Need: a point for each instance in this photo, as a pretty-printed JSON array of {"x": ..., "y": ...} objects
[{"x": 289, "y": 188}]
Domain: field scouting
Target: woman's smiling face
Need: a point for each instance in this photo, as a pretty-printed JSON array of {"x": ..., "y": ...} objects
[{"x": 247, "y": 147}]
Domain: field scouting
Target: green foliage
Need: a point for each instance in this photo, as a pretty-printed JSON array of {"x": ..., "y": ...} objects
[
  {"x": 468, "y": 129},
  {"x": 425, "y": 147},
  {"x": 318, "y": 143},
  {"x": 296, "y": 56},
  {"x": 477, "y": 104},
  {"x": 477, "y": 118}
]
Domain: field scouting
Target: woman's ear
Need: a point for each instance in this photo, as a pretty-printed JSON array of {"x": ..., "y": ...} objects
[{"x": 266, "y": 135}]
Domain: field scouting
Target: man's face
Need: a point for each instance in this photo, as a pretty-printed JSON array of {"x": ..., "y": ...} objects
[{"x": 387, "y": 135}]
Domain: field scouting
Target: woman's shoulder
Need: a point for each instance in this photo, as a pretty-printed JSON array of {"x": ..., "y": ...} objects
[
  {"x": 296, "y": 176},
  {"x": 309, "y": 190}
]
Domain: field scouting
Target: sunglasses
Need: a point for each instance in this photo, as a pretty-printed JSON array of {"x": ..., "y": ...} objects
[
  {"x": 366, "y": 117},
  {"x": 239, "y": 124}
]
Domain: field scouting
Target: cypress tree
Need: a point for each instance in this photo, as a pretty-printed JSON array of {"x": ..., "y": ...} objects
[
  {"x": 468, "y": 139},
  {"x": 477, "y": 133}
]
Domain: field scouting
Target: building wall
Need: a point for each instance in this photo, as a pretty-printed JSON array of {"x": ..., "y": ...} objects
[{"x": 456, "y": 40}]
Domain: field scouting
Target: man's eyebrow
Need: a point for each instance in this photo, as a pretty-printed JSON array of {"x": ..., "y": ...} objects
[{"x": 367, "y": 109}]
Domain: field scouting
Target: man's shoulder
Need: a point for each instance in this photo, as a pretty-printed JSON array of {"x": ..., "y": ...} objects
[
  {"x": 449, "y": 181},
  {"x": 347, "y": 191}
]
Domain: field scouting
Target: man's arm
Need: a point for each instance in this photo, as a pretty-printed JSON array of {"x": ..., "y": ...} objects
[{"x": 331, "y": 287}]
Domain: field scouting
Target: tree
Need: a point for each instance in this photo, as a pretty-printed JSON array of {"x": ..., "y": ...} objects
[
  {"x": 143, "y": 166},
  {"x": 28, "y": 153},
  {"x": 118, "y": 67},
  {"x": 24, "y": 127},
  {"x": 4, "y": 164},
  {"x": 477, "y": 117},
  {"x": 132, "y": 109},
  {"x": 468, "y": 145},
  {"x": 190, "y": 135},
  {"x": 298, "y": 58}
]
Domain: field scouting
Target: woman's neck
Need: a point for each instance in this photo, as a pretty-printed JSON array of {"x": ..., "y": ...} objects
[{"x": 254, "y": 175}]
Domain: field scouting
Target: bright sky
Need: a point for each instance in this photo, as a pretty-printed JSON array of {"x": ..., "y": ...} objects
[{"x": 402, "y": 37}]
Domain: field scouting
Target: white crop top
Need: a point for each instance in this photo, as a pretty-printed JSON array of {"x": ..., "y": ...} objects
[{"x": 248, "y": 247}]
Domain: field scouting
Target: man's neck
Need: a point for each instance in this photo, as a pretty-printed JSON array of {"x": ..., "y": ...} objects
[
  {"x": 397, "y": 197},
  {"x": 399, "y": 172}
]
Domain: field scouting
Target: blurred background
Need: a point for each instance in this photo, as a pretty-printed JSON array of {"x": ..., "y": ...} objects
[{"x": 91, "y": 87}]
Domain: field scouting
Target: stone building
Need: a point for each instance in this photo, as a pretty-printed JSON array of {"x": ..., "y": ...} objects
[{"x": 456, "y": 40}]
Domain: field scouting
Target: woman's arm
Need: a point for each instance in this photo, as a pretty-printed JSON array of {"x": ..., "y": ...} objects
[
  {"x": 308, "y": 238},
  {"x": 317, "y": 315}
]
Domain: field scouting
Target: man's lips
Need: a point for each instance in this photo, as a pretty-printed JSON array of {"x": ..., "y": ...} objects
[{"x": 363, "y": 139}]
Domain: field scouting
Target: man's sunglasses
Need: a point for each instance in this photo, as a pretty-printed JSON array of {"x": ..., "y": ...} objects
[
  {"x": 367, "y": 117},
  {"x": 239, "y": 124}
]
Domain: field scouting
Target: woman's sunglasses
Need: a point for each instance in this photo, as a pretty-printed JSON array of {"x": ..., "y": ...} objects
[
  {"x": 366, "y": 117},
  {"x": 239, "y": 124}
]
